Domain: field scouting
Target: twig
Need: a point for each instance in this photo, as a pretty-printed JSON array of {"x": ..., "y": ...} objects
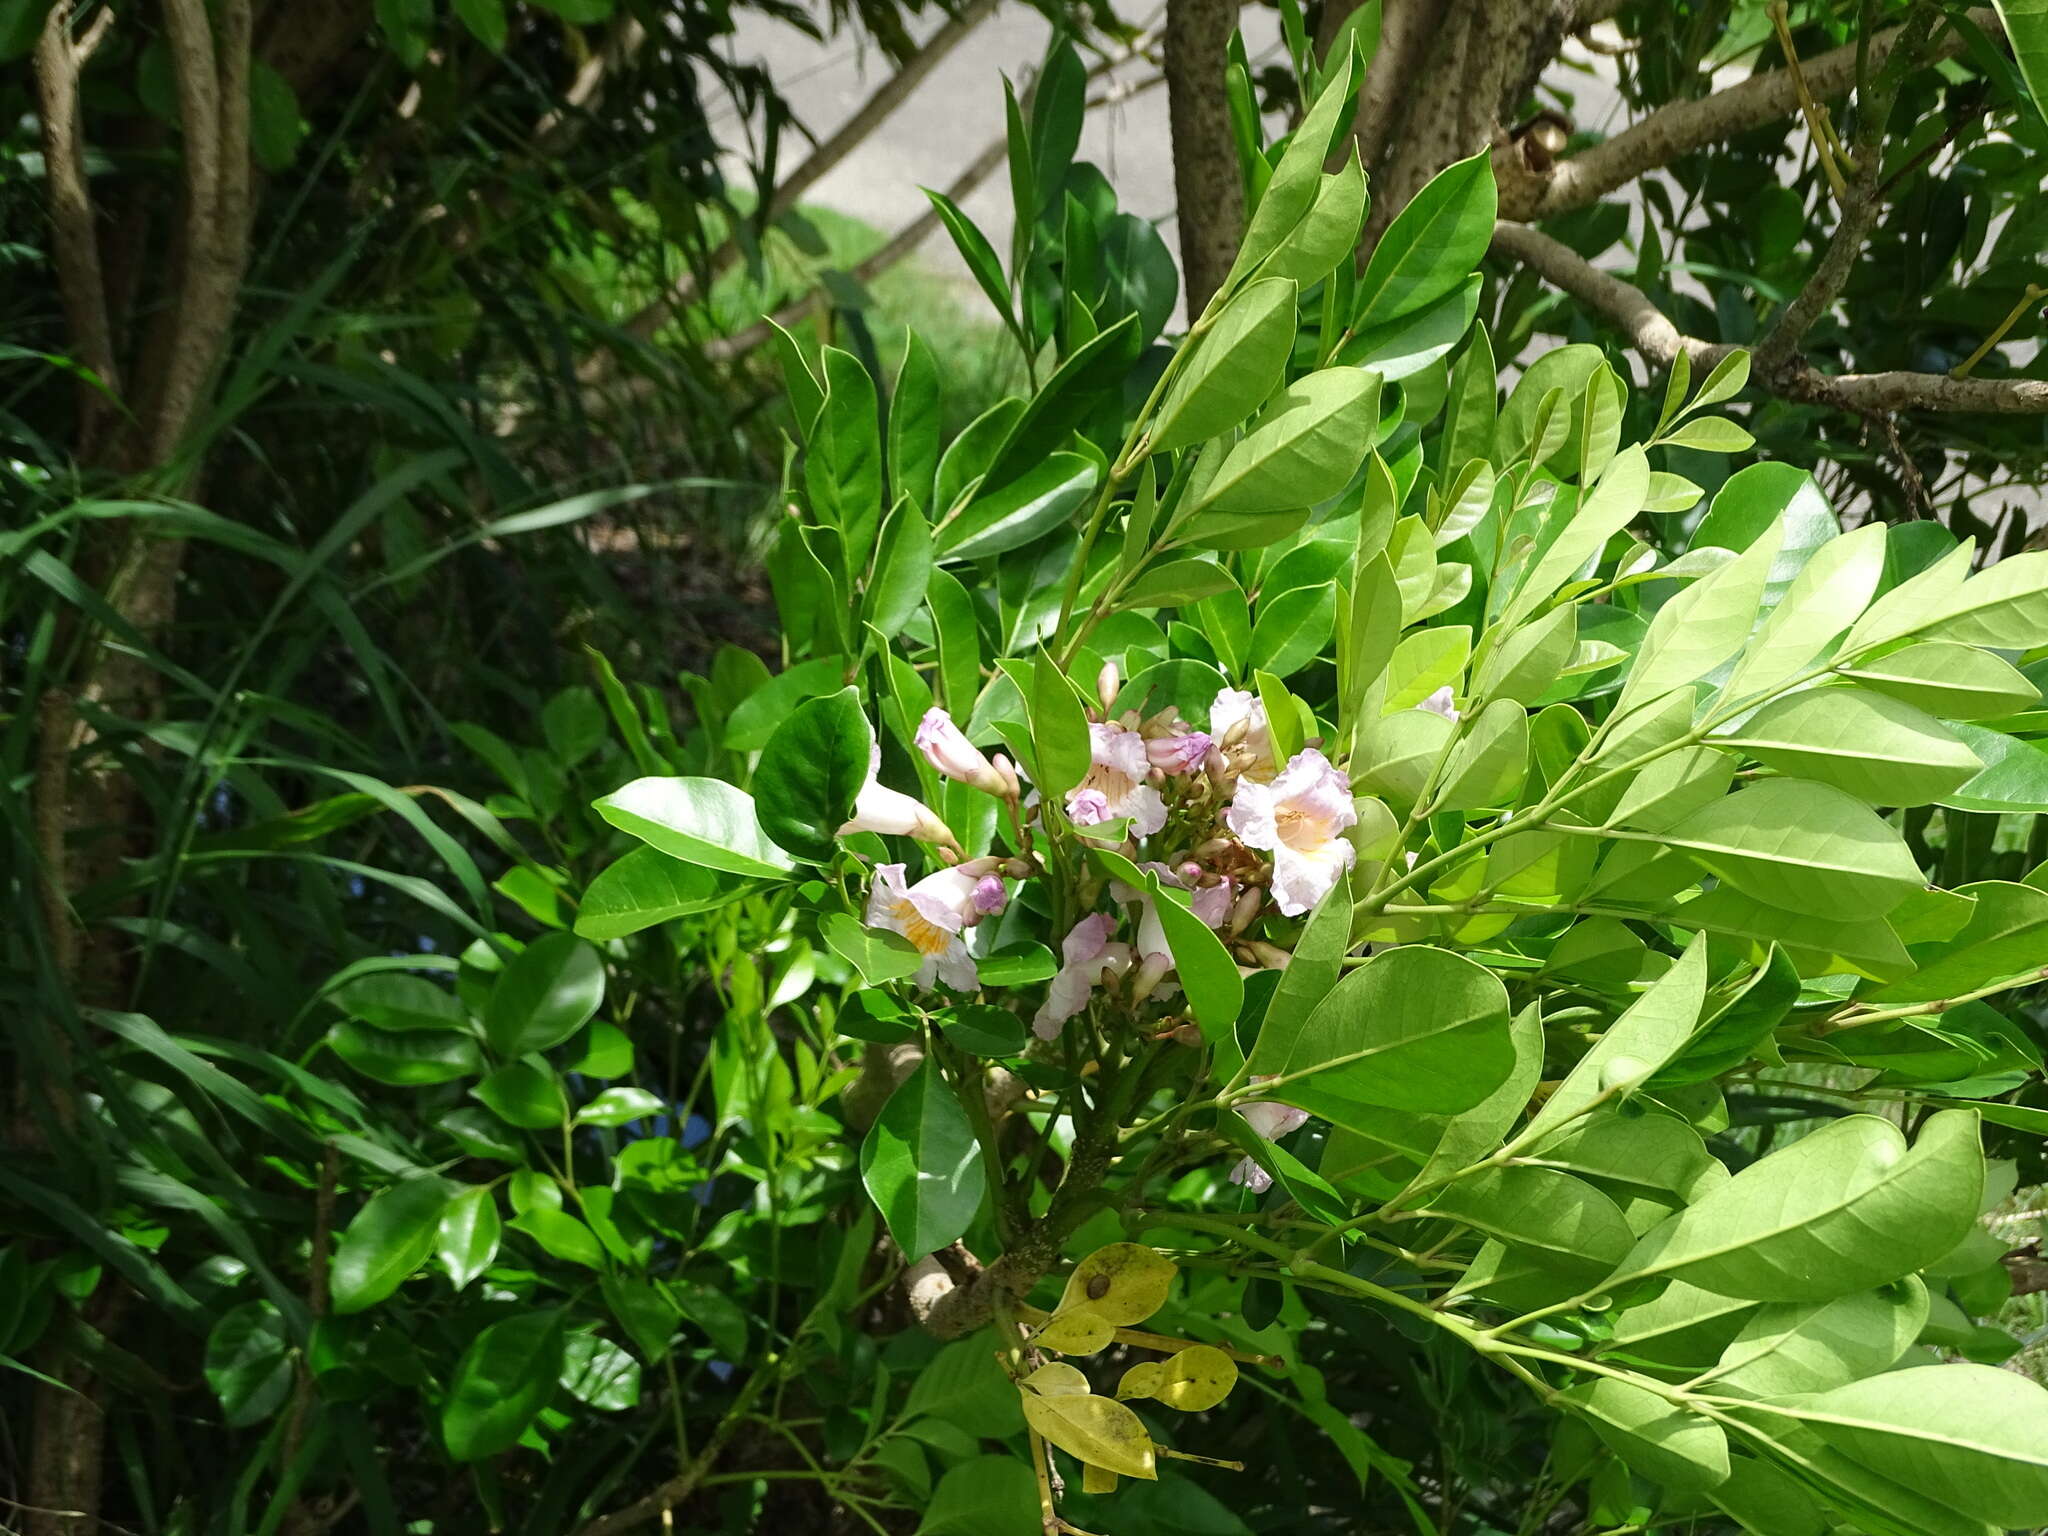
[
  {"x": 1822, "y": 129},
  {"x": 1651, "y": 332},
  {"x": 1677, "y": 130},
  {"x": 81, "y": 284}
]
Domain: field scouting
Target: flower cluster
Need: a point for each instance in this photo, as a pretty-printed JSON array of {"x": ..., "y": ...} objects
[{"x": 1209, "y": 812}]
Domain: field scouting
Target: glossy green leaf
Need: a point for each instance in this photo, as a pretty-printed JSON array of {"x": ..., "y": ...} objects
[
  {"x": 466, "y": 1239},
  {"x": 644, "y": 888},
  {"x": 620, "y": 1106},
  {"x": 922, "y": 1165},
  {"x": 1487, "y": 766},
  {"x": 560, "y": 1235},
  {"x": 524, "y": 1095},
  {"x": 1328, "y": 231},
  {"x": 505, "y": 1377},
  {"x": 389, "y": 1239},
  {"x": 411, "y": 1060},
  {"x": 1304, "y": 447},
  {"x": 1433, "y": 244},
  {"x": 1293, "y": 629},
  {"x": 698, "y": 820},
  {"x": 1034, "y": 503},
  {"x": 547, "y": 992},
  {"x": 811, "y": 771},
  {"x": 1234, "y": 370},
  {"x": 249, "y": 1363},
  {"x": 1413, "y": 1028}
]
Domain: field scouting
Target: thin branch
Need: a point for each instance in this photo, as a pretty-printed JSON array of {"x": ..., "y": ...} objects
[
  {"x": 1677, "y": 130},
  {"x": 1650, "y": 332},
  {"x": 869, "y": 116},
  {"x": 1860, "y": 204},
  {"x": 58, "y": 63}
]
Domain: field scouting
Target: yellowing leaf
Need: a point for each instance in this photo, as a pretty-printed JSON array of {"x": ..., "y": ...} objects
[
  {"x": 1123, "y": 1283},
  {"x": 1056, "y": 1379},
  {"x": 1076, "y": 1331},
  {"x": 1096, "y": 1479},
  {"x": 1097, "y": 1431},
  {"x": 1142, "y": 1380},
  {"x": 1197, "y": 1379}
]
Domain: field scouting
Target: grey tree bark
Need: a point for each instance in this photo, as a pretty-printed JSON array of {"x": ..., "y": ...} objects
[{"x": 1206, "y": 187}]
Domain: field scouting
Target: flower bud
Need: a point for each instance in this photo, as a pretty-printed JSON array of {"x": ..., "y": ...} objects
[
  {"x": 946, "y": 747},
  {"x": 1148, "y": 976},
  {"x": 1244, "y": 909},
  {"x": 1107, "y": 683},
  {"x": 990, "y": 896}
]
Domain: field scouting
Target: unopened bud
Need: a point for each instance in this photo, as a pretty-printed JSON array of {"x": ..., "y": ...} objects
[
  {"x": 1244, "y": 909},
  {"x": 1148, "y": 976},
  {"x": 1271, "y": 956},
  {"x": 1107, "y": 683},
  {"x": 1011, "y": 788}
]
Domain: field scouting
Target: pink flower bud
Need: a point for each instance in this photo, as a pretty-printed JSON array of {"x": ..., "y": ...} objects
[
  {"x": 946, "y": 747},
  {"x": 990, "y": 897}
]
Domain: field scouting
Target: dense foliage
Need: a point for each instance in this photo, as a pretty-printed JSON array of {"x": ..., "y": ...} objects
[{"x": 1288, "y": 939}]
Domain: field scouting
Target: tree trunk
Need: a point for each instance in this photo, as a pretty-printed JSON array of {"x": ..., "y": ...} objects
[{"x": 1205, "y": 177}]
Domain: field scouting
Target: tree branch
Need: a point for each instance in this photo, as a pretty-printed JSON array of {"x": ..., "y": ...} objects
[
  {"x": 1650, "y": 332},
  {"x": 1672, "y": 132},
  {"x": 80, "y": 281},
  {"x": 869, "y": 116},
  {"x": 1861, "y": 204}
]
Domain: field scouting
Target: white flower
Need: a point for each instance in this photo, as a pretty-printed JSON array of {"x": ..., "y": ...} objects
[
  {"x": 1087, "y": 960},
  {"x": 1442, "y": 702},
  {"x": 1237, "y": 721},
  {"x": 878, "y": 808},
  {"x": 946, "y": 747},
  {"x": 1270, "y": 1122},
  {"x": 933, "y": 914},
  {"x": 1299, "y": 818},
  {"x": 1115, "y": 786}
]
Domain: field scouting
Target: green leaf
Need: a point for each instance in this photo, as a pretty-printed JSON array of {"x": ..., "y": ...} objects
[
  {"x": 1034, "y": 503},
  {"x": 1667, "y": 1443},
  {"x": 392, "y": 1000},
  {"x": 1630, "y": 1052},
  {"x": 1955, "y": 682},
  {"x": 1293, "y": 629},
  {"x": 644, "y": 1311},
  {"x": 1564, "y": 1224},
  {"x": 979, "y": 255},
  {"x": 879, "y": 956},
  {"x": 598, "y": 1372},
  {"x": 2026, "y": 28},
  {"x": 1433, "y": 245},
  {"x": 843, "y": 455},
  {"x": 700, "y": 821},
  {"x": 466, "y": 1239},
  {"x": 415, "y": 1059},
  {"x": 2006, "y": 935},
  {"x": 620, "y": 1106},
  {"x": 1767, "y": 1500},
  {"x": 1292, "y": 189},
  {"x": 2004, "y": 606},
  {"x": 1728, "y": 1038},
  {"x": 985, "y": 1496},
  {"x": 1414, "y": 1028},
  {"x": 1831, "y": 590},
  {"x": 390, "y": 1238},
  {"x": 981, "y": 1030},
  {"x": 1526, "y": 665},
  {"x": 1882, "y": 750},
  {"x": 964, "y": 1385},
  {"x": 485, "y": 20},
  {"x": 1969, "y": 1436},
  {"x": 545, "y": 994},
  {"x": 1063, "y": 402},
  {"x": 1328, "y": 232},
  {"x": 505, "y": 1377},
  {"x": 561, "y": 1235},
  {"x": 276, "y": 125},
  {"x": 645, "y": 888},
  {"x": 1710, "y": 434},
  {"x": 1234, "y": 370},
  {"x": 1403, "y": 348},
  {"x": 248, "y": 1363},
  {"x": 1802, "y": 846},
  {"x": 1304, "y": 448},
  {"x": 1702, "y": 626},
  {"x": 914, "y": 421},
  {"x": 1608, "y": 508},
  {"x": 1649, "y": 1152},
  {"x": 408, "y": 25},
  {"x": 2015, "y": 776},
  {"x": 811, "y": 771},
  {"x": 903, "y": 570},
  {"x": 1489, "y": 762},
  {"x": 1059, "y": 729},
  {"x": 1178, "y": 583},
  {"x": 922, "y": 1165},
  {"x": 524, "y": 1095},
  {"x": 1847, "y": 1208},
  {"x": 1810, "y": 1346}
]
